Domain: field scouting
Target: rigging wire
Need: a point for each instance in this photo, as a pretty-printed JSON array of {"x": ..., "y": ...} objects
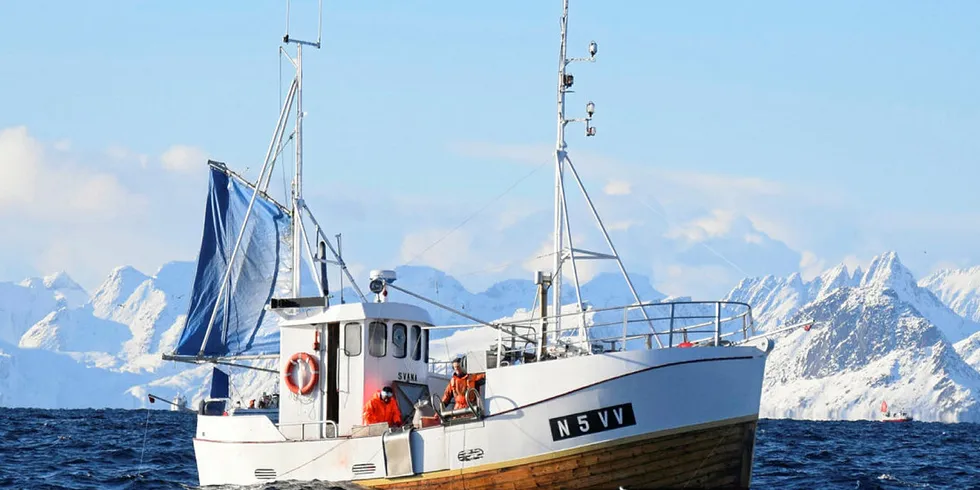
[
  {"x": 703, "y": 244},
  {"x": 474, "y": 214}
]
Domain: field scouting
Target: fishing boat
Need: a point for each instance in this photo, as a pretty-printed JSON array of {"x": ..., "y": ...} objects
[
  {"x": 648, "y": 394},
  {"x": 889, "y": 416},
  {"x": 179, "y": 404}
]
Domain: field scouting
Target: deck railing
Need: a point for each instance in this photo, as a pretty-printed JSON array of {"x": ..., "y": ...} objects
[
  {"x": 596, "y": 330},
  {"x": 322, "y": 432}
]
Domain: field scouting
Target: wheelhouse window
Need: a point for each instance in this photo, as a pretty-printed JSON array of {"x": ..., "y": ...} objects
[
  {"x": 399, "y": 340},
  {"x": 425, "y": 345},
  {"x": 378, "y": 339},
  {"x": 352, "y": 339},
  {"x": 416, "y": 342}
]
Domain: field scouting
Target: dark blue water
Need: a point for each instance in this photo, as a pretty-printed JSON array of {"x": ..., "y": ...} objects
[{"x": 78, "y": 449}]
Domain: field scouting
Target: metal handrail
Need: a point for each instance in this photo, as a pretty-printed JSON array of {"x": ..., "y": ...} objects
[
  {"x": 709, "y": 328},
  {"x": 302, "y": 425},
  {"x": 713, "y": 320},
  {"x": 649, "y": 304}
]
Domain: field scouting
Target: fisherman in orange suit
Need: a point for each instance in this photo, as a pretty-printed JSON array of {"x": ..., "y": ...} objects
[
  {"x": 382, "y": 407},
  {"x": 460, "y": 383}
]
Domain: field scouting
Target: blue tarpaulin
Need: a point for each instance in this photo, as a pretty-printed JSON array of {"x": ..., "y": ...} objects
[
  {"x": 219, "y": 384},
  {"x": 242, "y": 326}
]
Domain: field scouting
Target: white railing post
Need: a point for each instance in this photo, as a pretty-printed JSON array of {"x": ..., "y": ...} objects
[
  {"x": 626, "y": 312},
  {"x": 500, "y": 345},
  {"x": 717, "y": 323},
  {"x": 625, "y": 315},
  {"x": 670, "y": 335}
]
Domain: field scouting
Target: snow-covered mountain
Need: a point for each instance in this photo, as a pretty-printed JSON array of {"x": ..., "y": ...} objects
[
  {"x": 131, "y": 319},
  {"x": 880, "y": 336},
  {"x": 26, "y": 303},
  {"x": 871, "y": 346},
  {"x": 62, "y": 287},
  {"x": 958, "y": 288},
  {"x": 39, "y": 378},
  {"x": 775, "y": 299}
]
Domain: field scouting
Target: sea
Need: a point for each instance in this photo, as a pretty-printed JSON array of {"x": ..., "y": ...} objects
[{"x": 149, "y": 449}]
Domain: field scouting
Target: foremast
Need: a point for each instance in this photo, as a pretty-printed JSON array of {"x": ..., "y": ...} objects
[
  {"x": 564, "y": 249},
  {"x": 217, "y": 323}
]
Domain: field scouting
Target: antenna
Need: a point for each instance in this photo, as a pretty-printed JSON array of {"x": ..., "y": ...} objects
[
  {"x": 319, "y": 28},
  {"x": 562, "y": 229}
]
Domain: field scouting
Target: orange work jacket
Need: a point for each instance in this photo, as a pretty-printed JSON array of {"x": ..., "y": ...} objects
[
  {"x": 458, "y": 385},
  {"x": 377, "y": 410}
]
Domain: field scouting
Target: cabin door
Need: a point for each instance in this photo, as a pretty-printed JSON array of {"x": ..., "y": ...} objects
[{"x": 332, "y": 365}]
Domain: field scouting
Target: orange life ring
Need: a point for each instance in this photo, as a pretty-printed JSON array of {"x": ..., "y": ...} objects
[{"x": 312, "y": 363}]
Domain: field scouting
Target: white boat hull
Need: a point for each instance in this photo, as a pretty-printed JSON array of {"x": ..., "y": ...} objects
[{"x": 612, "y": 404}]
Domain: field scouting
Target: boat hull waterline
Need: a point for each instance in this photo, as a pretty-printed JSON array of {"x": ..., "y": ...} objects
[{"x": 667, "y": 417}]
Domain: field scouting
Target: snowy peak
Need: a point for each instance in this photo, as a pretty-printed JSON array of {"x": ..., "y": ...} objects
[
  {"x": 860, "y": 328},
  {"x": 886, "y": 271},
  {"x": 886, "y": 274},
  {"x": 21, "y": 307},
  {"x": 772, "y": 299},
  {"x": 75, "y": 330},
  {"x": 61, "y": 286},
  {"x": 857, "y": 275},
  {"x": 175, "y": 276},
  {"x": 869, "y": 345},
  {"x": 969, "y": 350},
  {"x": 957, "y": 288},
  {"x": 120, "y": 284},
  {"x": 832, "y": 280}
]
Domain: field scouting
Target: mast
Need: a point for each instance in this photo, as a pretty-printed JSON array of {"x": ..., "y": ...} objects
[
  {"x": 559, "y": 174},
  {"x": 297, "y": 204},
  {"x": 298, "y": 177},
  {"x": 562, "y": 225}
]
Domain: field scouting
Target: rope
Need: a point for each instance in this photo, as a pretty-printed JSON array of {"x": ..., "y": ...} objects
[{"x": 146, "y": 426}]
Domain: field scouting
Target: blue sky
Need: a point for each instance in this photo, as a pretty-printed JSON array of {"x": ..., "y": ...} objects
[{"x": 733, "y": 139}]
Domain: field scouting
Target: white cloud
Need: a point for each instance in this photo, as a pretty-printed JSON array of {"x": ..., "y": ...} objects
[
  {"x": 88, "y": 213},
  {"x": 700, "y": 282},
  {"x": 810, "y": 265},
  {"x": 438, "y": 248},
  {"x": 121, "y": 154},
  {"x": 718, "y": 223},
  {"x": 623, "y": 225},
  {"x": 46, "y": 189},
  {"x": 183, "y": 158},
  {"x": 20, "y": 161},
  {"x": 618, "y": 188},
  {"x": 103, "y": 194},
  {"x": 543, "y": 260}
]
